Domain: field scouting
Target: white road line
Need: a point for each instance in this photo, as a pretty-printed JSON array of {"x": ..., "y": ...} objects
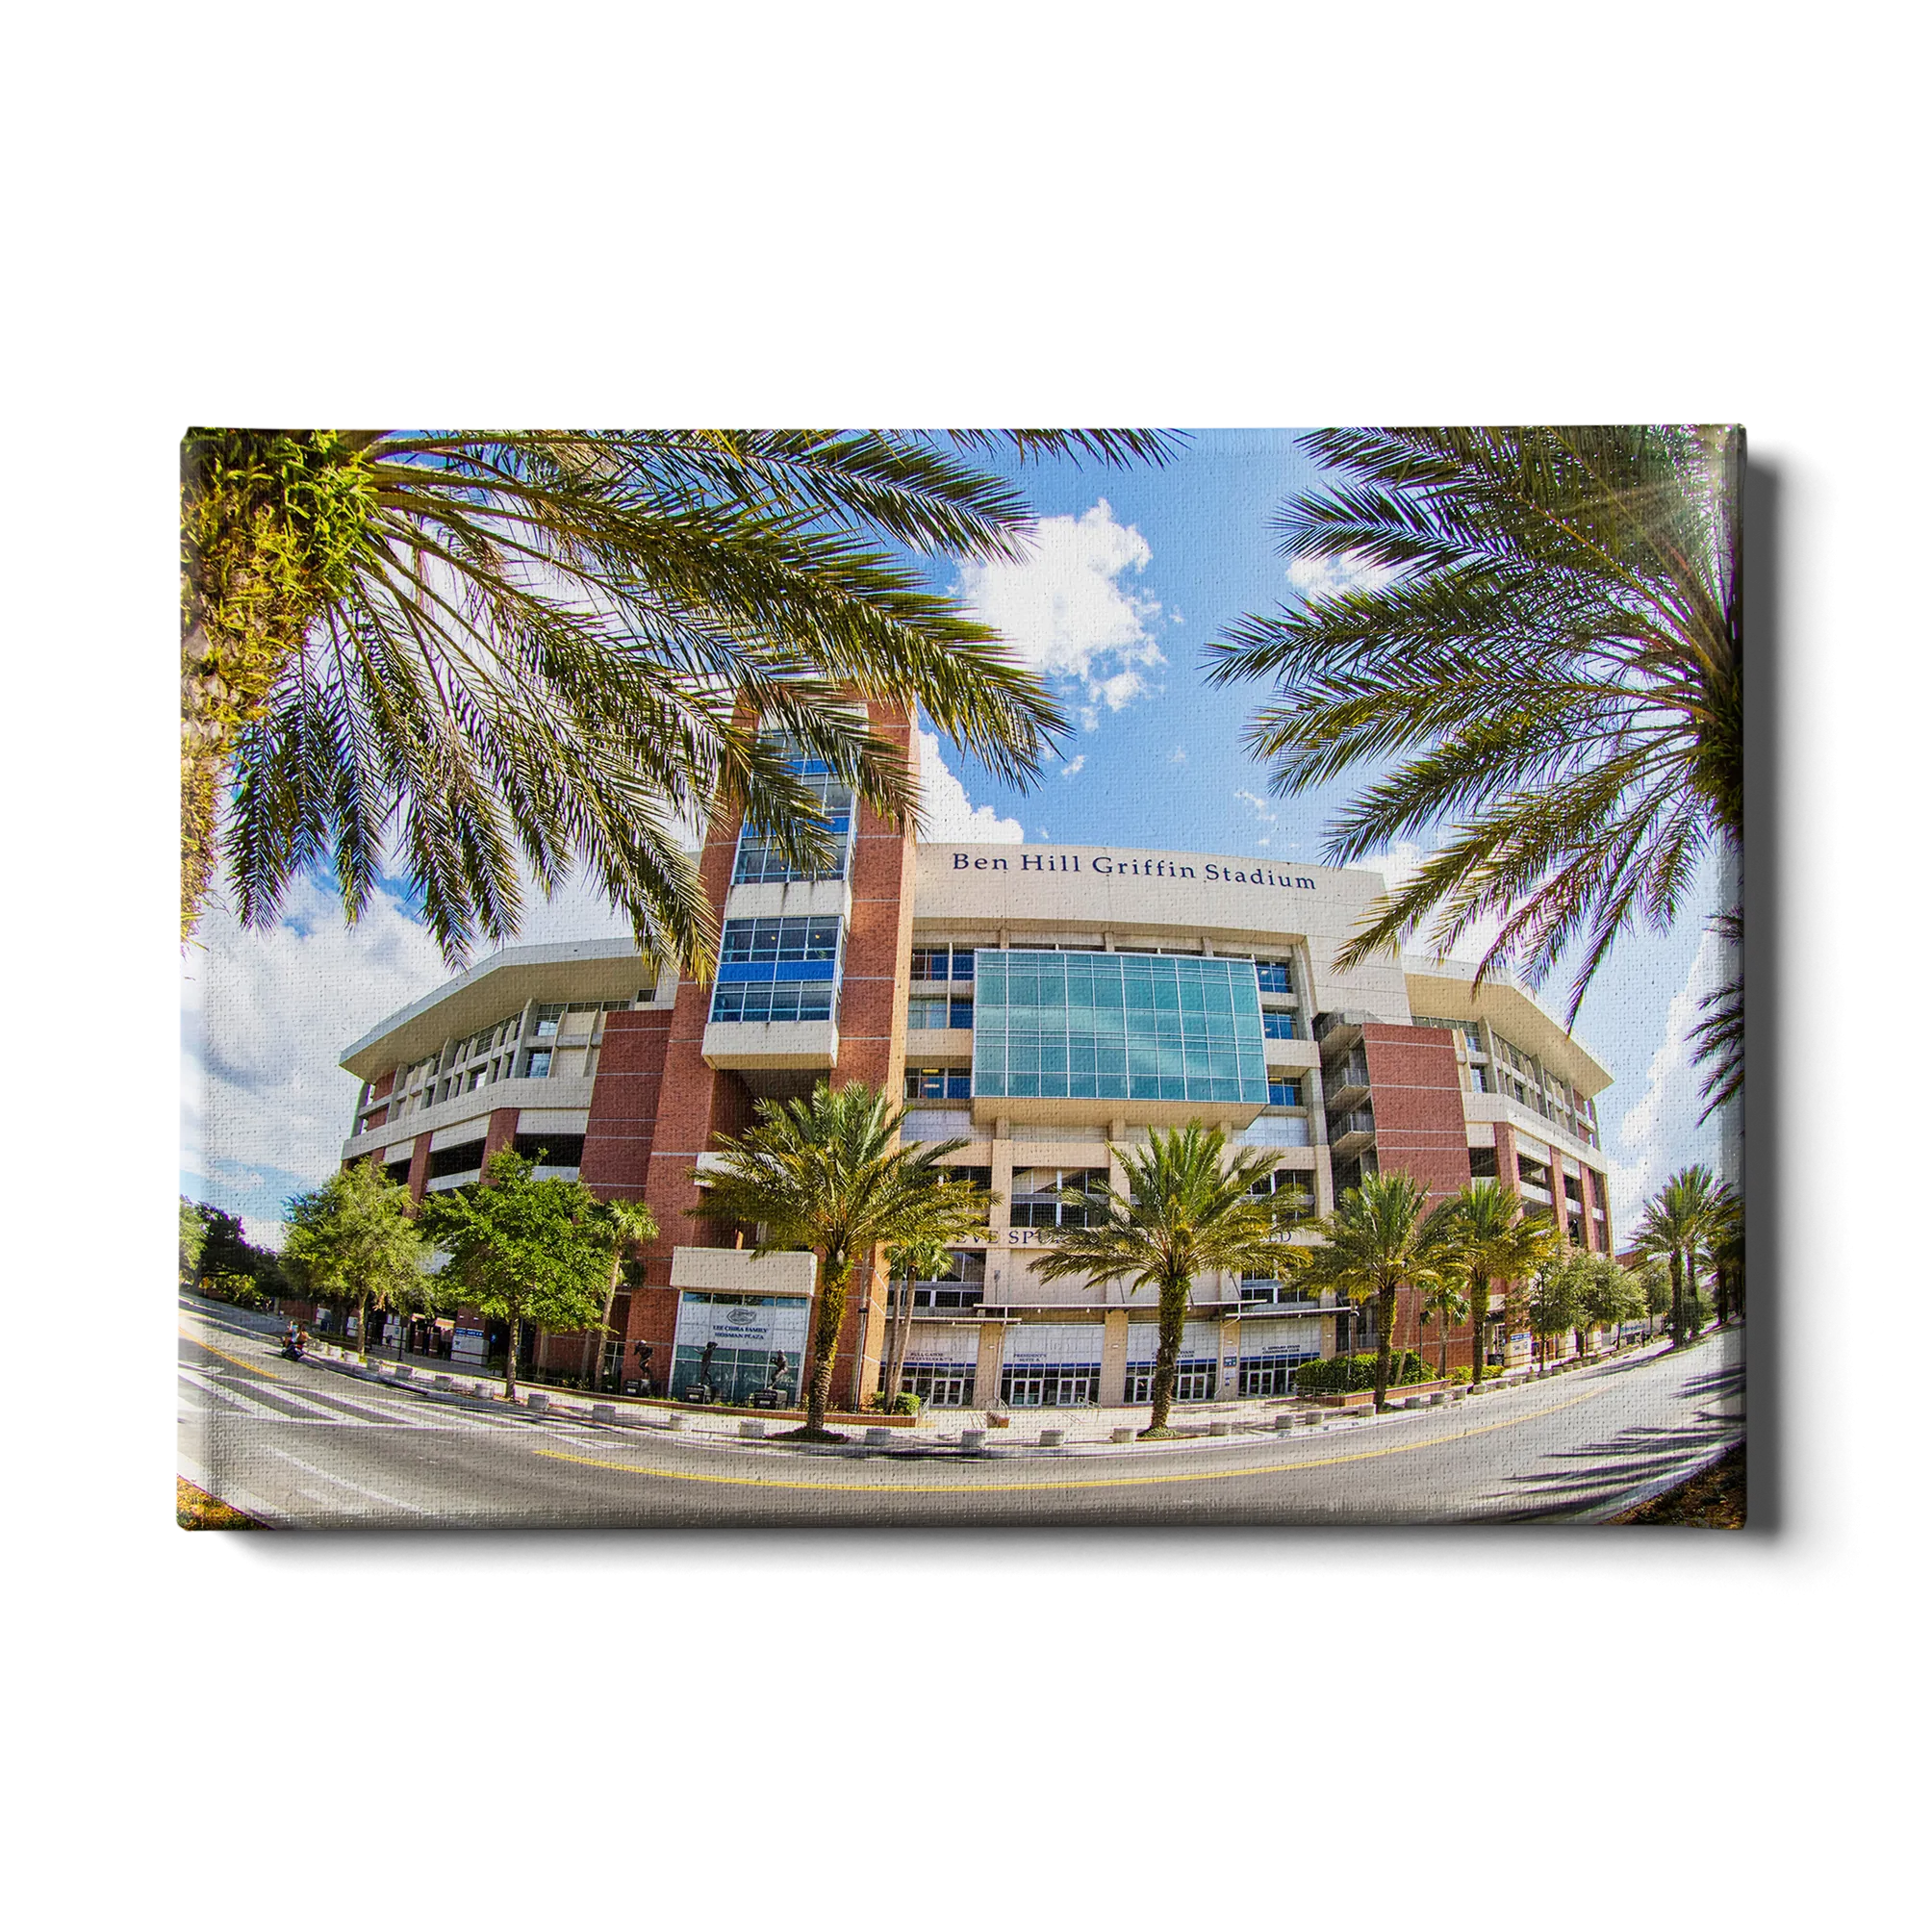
[{"x": 342, "y": 1482}]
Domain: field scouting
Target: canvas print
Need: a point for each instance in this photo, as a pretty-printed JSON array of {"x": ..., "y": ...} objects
[{"x": 932, "y": 978}]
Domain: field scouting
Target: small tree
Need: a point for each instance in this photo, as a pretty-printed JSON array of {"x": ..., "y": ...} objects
[
  {"x": 1446, "y": 1303},
  {"x": 193, "y": 1239},
  {"x": 1653, "y": 1291},
  {"x": 353, "y": 1240},
  {"x": 1551, "y": 1304},
  {"x": 911, "y": 1261},
  {"x": 631, "y": 1224},
  {"x": 524, "y": 1250},
  {"x": 1604, "y": 1298}
]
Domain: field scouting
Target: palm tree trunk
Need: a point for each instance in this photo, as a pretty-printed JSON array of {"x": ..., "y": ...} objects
[
  {"x": 825, "y": 1343},
  {"x": 1479, "y": 1326},
  {"x": 1691, "y": 1291},
  {"x": 594, "y": 1346},
  {"x": 901, "y": 1334},
  {"x": 1385, "y": 1331},
  {"x": 1442, "y": 1353},
  {"x": 510, "y": 1358},
  {"x": 1676, "y": 1297},
  {"x": 1167, "y": 1357}
]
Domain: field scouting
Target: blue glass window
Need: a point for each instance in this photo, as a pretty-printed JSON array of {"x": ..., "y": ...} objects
[
  {"x": 759, "y": 858},
  {"x": 777, "y": 969},
  {"x": 1279, "y": 1026},
  {"x": 1118, "y": 1025},
  {"x": 1285, "y": 1093}
]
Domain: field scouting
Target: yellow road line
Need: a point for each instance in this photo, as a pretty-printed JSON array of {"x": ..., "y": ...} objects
[
  {"x": 1072, "y": 1483},
  {"x": 268, "y": 1373}
]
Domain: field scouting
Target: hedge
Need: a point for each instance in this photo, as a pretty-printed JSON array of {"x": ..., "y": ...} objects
[{"x": 1344, "y": 1374}]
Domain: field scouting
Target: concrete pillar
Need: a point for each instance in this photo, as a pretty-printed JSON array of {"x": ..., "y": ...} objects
[
  {"x": 1113, "y": 1358},
  {"x": 1228, "y": 1380},
  {"x": 986, "y": 1372}
]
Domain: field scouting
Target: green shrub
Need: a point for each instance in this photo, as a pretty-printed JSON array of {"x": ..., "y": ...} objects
[{"x": 1345, "y": 1374}]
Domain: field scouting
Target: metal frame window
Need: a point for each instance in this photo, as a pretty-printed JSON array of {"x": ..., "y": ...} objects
[
  {"x": 1278, "y": 1025},
  {"x": 1285, "y": 1093},
  {"x": 938, "y": 1083},
  {"x": 1116, "y": 1026},
  {"x": 941, "y": 962},
  {"x": 923, "y": 1014},
  {"x": 779, "y": 969},
  {"x": 1036, "y": 1196},
  {"x": 1273, "y": 1373},
  {"x": 1273, "y": 976},
  {"x": 760, "y": 861},
  {"x": 1291, "y": 1189},
  {"x": 938, "y": 1384},
  {"x": 1194, "y": 1380},
  {"x": 1050, "y": 1384}
]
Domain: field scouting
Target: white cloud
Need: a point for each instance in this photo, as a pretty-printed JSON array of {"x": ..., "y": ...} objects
[
  {"x": 1073, "y": 766},
  {"x": 1069, "y": 610},
  {"x": 1314, "y": 578},
  {"x": 949, "y": 814},
  {"x": 1660, "y": 1134},
  {"x": 1177, "y": 756},
  {"x": 1263, "y": 811}
]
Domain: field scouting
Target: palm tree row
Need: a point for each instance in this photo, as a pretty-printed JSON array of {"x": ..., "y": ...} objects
[
  {"x": 1693, "y": 1221},
  {"x": 465, "y": 655}
]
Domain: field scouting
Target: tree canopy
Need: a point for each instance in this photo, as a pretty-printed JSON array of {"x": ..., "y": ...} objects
[
  {"x": 524, "y": 1250},
  {"x": 455, "y": 652},
  {"x": 353, "y": 1240},
  {"x": 1540, "y": 650}
]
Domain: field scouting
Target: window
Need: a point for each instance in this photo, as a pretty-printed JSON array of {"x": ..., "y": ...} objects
[
  {"x": 938, "y": 1083},
  {"x": 942, "y": 962},
  {"x": 777, "y": 970},
  {"x": 1116, "y": 1026},
  {"x": 1273, "y": 975},
  {"x": 1037, "y": 1190},
  {"x": 760, "y": 859},
  {"x": 1194, "y": 1380},
  {"x": 922, "y": 1014},
  {"x": 1278, "y": 1025},
  {"x": 1483, "y": 1163},
  {"x": 1291, "y": 1189},
  {"x": 938, "y": 1384},
  {"x": 1050, "y": 1384},
  {"x": 1273, "y": 1373},
  {"x": 1479, "y": 1080},
  {"x": 538, "y": 1067},
  {"x": 548, "y": 1018},
  {"x": 1285, "y": 1093},
  {"x": 963, "y": 1284}
]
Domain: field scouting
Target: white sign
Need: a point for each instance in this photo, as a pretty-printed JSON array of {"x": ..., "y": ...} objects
[{"x": 780, "y": 1324}]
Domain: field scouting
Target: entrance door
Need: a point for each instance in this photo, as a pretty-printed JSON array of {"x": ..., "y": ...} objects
[{"x": 1028, "y": 1388}]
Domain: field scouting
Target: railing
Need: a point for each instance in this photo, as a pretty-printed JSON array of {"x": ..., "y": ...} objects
[{"x": 1359, "y": 1120}]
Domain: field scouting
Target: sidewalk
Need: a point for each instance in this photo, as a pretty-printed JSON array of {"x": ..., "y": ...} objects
[{"x": 1082, "y": 1429}]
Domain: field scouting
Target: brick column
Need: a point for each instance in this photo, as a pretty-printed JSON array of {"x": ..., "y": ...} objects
[
  {"x": 501, "y": 1132},
  {"x": 419, "y": 1167}
]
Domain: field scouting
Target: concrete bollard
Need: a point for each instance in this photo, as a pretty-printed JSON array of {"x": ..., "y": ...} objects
[
  {"x": 972, "y": 1438},
  {"x": 403, "y": 1371},
  {"x": 1285, "y": 1420},
  {"x": 1121, "y": 1436},
  {"x": 751, "y": 1429},
  {"x": 604, "y": 1412},
  {"x": 479, "y": 1388},
  {"x": 1437, "y": 1400},
  {"x": 1220, "y": 1429},
  {"x": 1309, "y": 1416},
  {"x": 538, "y": 1400},
  {"x": 441, "y": 1382},
  {"x": 672, "y": 1420},
  {"x": 1051, "y": 1438},
  {"x": 873, "y": 1438}
]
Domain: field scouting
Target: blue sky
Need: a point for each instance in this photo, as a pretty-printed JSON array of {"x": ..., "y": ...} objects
[{"x": 1135, "y": 571}]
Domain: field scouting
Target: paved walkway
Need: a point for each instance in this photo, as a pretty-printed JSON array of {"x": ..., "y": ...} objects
[{"x": 1088, "y": 1430}]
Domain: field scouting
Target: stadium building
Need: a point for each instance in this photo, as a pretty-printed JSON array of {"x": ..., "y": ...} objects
[{"x": 1037, "y": 1001}]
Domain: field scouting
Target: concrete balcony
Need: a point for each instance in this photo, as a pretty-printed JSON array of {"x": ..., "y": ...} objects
[
  {"x": 772, "y": 1046},
  {"x": 737, "y": 1271}
]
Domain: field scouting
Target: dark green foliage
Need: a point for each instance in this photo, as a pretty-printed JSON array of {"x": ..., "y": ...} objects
[{"x": 1346, "y": 1374}]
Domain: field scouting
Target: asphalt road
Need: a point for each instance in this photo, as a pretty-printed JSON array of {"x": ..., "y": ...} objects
[{"x": 307, "y": 1447}]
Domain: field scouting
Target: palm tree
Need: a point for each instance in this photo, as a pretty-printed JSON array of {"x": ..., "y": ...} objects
[
  {"x": 1491, "y": 1239},
  {"x": 631, "y": 1224},
  {"x": 826, "y": 1173},
  {"x": 1728, "y": 1260},
  {"x": 1377, "y": 1244},
  {"x": 1188, "y": 1210},
  {"x": 1542, "y": 648},
  {"x": 555, "y": 646},
  {"x": 912, "y": 1261},
  {"x": 1679, "y": 1223},
  {"x": 1447, "y": 1303}
]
